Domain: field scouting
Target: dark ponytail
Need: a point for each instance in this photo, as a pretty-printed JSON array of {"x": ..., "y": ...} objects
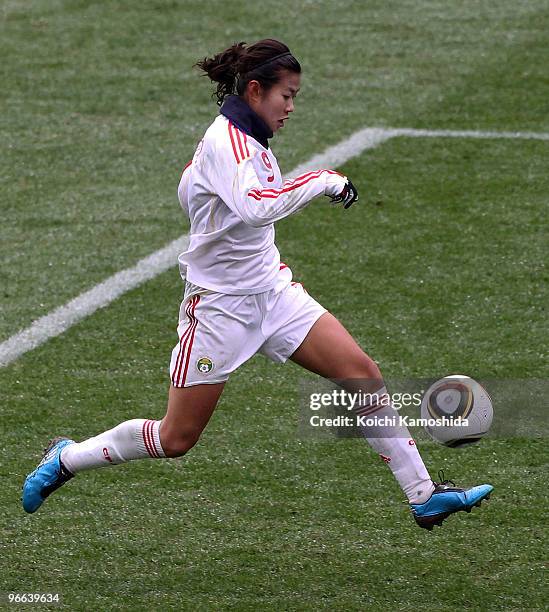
[{"x": 235, "y": 67}]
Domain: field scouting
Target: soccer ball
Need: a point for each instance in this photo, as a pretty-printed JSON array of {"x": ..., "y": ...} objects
[{"x": 448, "y": 403}]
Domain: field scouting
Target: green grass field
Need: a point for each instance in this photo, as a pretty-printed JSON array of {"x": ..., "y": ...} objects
[{"x": 441, "y": 267}]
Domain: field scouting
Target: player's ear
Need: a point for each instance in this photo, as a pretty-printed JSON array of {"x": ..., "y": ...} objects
[{"x": 254, "y": 90}]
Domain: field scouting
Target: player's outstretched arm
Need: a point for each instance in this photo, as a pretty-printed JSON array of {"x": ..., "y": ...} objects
[
  {"x": 266, "y": 205},
  {"x": 262, "y": 206},
  {"x": 233, "y": 176},
  {"x": 235, "y": 180}
]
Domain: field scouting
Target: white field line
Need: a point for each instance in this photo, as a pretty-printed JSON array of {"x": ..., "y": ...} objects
[
  {"x": 464, "y": 134},
  {"x": 64, "y": 317},
  {"x": 60, "y": 319},
  {"x": 336, "y": 156}
]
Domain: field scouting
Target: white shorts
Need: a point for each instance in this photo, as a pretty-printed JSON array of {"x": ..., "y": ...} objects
[{"x": 219, "y": 332}]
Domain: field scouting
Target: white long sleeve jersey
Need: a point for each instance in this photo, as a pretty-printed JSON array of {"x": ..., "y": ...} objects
[{"x": 233, "y": 192}]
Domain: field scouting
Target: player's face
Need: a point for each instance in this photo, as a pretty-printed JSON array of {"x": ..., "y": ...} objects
[{"x": 275, "y": 104}]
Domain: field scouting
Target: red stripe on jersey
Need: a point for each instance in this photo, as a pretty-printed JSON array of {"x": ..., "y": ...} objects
[
  {"x": 302, "y": 176},
  {"x": 189, "y": 312},
  {"x": 307, "y": 175},
  {"x": 299, "y": 178},
  {"x": 290, "y": 185},
  {"x": 239, "y": 139},
  {"x": 274, "y": 193},
  {"x": 231, "y": 128},
  {"x": 246, "y": 144}
]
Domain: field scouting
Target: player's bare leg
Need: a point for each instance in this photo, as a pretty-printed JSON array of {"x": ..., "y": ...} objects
[
  {"x": 330, "y": 351},
  {"x": 188, "y": 413},
  {"x": 189, "y": 410}
]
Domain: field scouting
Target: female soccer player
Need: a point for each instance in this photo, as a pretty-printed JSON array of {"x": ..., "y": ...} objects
[{"x": 240, "y": 299}]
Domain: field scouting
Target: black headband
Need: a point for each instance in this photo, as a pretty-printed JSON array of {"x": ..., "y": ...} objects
[{"x": 272, "y": 59}]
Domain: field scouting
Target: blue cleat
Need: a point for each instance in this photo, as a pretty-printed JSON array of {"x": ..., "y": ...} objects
[
  {"x": 47, "y": 477},
  {"x": 446, "y": 500}
]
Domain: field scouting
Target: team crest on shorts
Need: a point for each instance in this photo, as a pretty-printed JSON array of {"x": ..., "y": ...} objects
[{"x": 204, "y": 365}]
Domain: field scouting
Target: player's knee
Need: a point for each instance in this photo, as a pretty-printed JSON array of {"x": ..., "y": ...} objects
[
  {"x": 361, "y": 366},
  {"x": 178, "y": 444},
  {"x": 371, "y": 368}
]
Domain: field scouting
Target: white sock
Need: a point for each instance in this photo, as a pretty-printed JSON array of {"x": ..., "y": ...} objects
[
  {"x": 135, "y": 439},
  {"x": 397, "y": 448}
]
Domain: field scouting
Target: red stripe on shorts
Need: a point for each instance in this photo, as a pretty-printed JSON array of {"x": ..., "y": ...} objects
[
  {"x": 189, "y": 353},
  {"x": 186, "y": 345},
  {"x": 182, "y": 339},
  {"x": 189, "y": 309}
]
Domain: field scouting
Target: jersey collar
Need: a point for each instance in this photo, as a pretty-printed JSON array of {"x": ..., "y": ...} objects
[{"x": 238, "y": 111}]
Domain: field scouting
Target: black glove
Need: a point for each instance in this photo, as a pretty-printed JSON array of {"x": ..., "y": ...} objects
[{"x": 348, "y": 196}]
